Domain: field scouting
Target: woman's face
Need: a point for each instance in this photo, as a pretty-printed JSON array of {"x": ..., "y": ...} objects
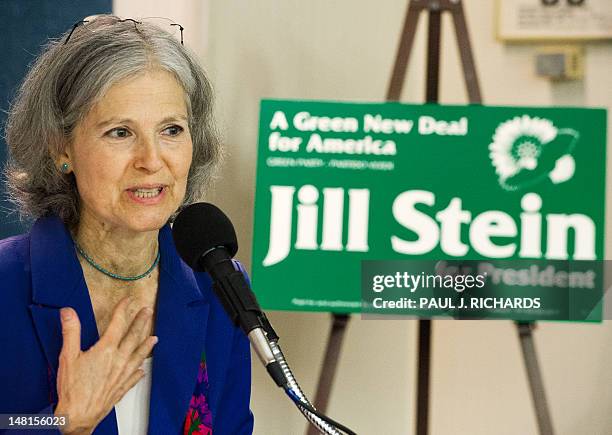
[{"x": 132, "y": 152}]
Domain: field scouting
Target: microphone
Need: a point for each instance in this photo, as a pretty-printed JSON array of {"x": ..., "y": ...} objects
[{"x": 206, "y": 240}]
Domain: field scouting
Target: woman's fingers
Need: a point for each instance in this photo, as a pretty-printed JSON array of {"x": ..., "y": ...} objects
[
  {"x": 119, "y": 324},
  {"x": 137, "y": 332},
  {"x": 71, "y": 333},
  {"x": 132, "y": 380},
  {"x": 139, "y": 355},
  {"x": 108, "y": 369},
  {"x": 135, "y": 362}
]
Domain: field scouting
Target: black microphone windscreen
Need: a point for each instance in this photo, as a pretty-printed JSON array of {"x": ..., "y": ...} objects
[{"x": 199, "y": 228}]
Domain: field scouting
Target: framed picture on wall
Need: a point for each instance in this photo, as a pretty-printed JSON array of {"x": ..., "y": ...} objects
[{"x": 558, "y": 20}]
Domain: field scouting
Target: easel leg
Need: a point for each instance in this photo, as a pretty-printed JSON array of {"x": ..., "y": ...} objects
[
  {"x": 330, "y": 362},
  {"x": 534, "y": 376},
  {"x": 434, "y": 31},
  {"x": 403, "y": 53},
  {"x": 465, "y": 51},
  {"x": 424, "y": 363}
]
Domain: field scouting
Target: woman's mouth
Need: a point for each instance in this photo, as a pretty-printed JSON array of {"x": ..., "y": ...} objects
[{"x": 147, "y": 193}]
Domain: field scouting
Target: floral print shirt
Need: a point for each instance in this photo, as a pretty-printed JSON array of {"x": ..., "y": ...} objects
[{"x": 199, "y": 417}]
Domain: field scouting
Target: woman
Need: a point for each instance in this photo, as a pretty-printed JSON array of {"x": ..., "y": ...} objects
[{"x": 110, "y": 134}]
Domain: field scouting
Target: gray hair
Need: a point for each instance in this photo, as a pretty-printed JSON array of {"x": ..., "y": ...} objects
[{"x": 62, "y": 86}]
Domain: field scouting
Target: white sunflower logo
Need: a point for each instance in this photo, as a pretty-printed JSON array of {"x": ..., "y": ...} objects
[{"x": 527, "y": 150}]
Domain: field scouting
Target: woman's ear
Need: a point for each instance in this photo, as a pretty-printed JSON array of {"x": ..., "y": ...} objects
[{"x": 63, "y": 160}]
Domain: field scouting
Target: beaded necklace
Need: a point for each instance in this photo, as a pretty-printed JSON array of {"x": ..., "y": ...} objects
[{"x": 114, "y": 275}]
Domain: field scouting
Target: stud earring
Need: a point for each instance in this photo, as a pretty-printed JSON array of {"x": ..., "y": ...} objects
[{"x": 65, "y": 167}]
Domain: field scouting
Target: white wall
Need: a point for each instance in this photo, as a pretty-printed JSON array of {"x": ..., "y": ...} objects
[{"x": 343, "y": 50}]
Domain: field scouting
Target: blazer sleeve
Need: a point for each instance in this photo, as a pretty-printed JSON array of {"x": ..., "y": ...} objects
[{"x": 14, "y": 296}]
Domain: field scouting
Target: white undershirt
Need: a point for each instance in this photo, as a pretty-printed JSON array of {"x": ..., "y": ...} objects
[{"x": 133, "y": 409}]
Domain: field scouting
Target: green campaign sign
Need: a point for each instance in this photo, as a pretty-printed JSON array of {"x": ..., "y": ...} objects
[{"x": 341, "y": 183}]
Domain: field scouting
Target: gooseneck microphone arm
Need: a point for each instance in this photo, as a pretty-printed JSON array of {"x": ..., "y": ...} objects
[{"x": 212, "y": 251}]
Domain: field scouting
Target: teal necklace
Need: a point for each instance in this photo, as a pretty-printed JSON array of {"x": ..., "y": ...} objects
[{"x": 114, "y": 275}]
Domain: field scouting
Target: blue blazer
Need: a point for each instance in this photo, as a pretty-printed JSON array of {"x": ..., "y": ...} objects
[{"x": 40, "y": 273}]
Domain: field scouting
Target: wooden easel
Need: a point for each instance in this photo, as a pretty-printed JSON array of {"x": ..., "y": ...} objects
[{"x": 435, "y": 8}]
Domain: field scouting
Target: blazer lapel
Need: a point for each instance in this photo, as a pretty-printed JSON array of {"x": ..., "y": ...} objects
[
  {"x": 57, "y": 281},
  {"x": 219, "y": 341},
  {"x": 181, "y": 323}
]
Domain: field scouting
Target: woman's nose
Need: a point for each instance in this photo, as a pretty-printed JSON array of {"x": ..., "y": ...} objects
[{"x": 148, "y": 155}]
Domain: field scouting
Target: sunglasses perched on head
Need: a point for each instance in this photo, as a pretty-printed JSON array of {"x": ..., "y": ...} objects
[{"x": 166, "y": 24}]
